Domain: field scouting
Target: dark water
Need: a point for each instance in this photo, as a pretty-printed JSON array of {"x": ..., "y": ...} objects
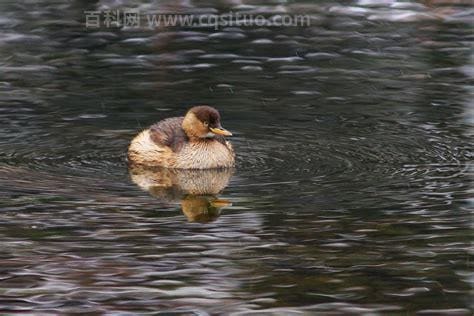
[{"x": 352, "y": 192}]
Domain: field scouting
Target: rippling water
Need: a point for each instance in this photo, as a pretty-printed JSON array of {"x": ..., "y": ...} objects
[{"x": 352, "y": 188}]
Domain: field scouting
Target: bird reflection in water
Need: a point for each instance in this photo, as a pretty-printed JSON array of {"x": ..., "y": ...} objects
[{"x": 196, "y": 190}]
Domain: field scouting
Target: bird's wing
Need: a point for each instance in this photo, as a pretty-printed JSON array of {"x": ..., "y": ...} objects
[{"x": 169, "y": 133}]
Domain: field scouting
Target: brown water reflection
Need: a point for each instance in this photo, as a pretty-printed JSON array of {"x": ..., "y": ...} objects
[{"x": 196, "y": 190}]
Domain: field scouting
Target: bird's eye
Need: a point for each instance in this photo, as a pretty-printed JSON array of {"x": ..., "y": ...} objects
[{"x": 206, "y": 123}]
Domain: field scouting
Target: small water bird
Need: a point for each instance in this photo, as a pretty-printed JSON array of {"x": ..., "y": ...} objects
[{"x": 195, "y": 141}]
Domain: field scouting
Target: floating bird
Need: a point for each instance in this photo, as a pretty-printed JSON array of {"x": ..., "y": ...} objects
[{"x": 195, "y": 141}]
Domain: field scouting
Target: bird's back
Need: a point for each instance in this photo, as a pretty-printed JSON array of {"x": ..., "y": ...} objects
[{"x": 169, "y": 132}]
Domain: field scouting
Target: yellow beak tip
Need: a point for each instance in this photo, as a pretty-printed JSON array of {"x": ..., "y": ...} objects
[{"x": 221, "y": 131}]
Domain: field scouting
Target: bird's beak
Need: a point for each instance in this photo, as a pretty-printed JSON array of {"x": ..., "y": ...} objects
[{"x": 220, "y": 131}]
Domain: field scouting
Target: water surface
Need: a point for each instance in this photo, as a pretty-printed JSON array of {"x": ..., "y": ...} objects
[{"x": 352, "y": 189}]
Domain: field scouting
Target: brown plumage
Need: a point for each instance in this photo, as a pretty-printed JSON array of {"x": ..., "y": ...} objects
[{"x": 195, "y": 141}]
